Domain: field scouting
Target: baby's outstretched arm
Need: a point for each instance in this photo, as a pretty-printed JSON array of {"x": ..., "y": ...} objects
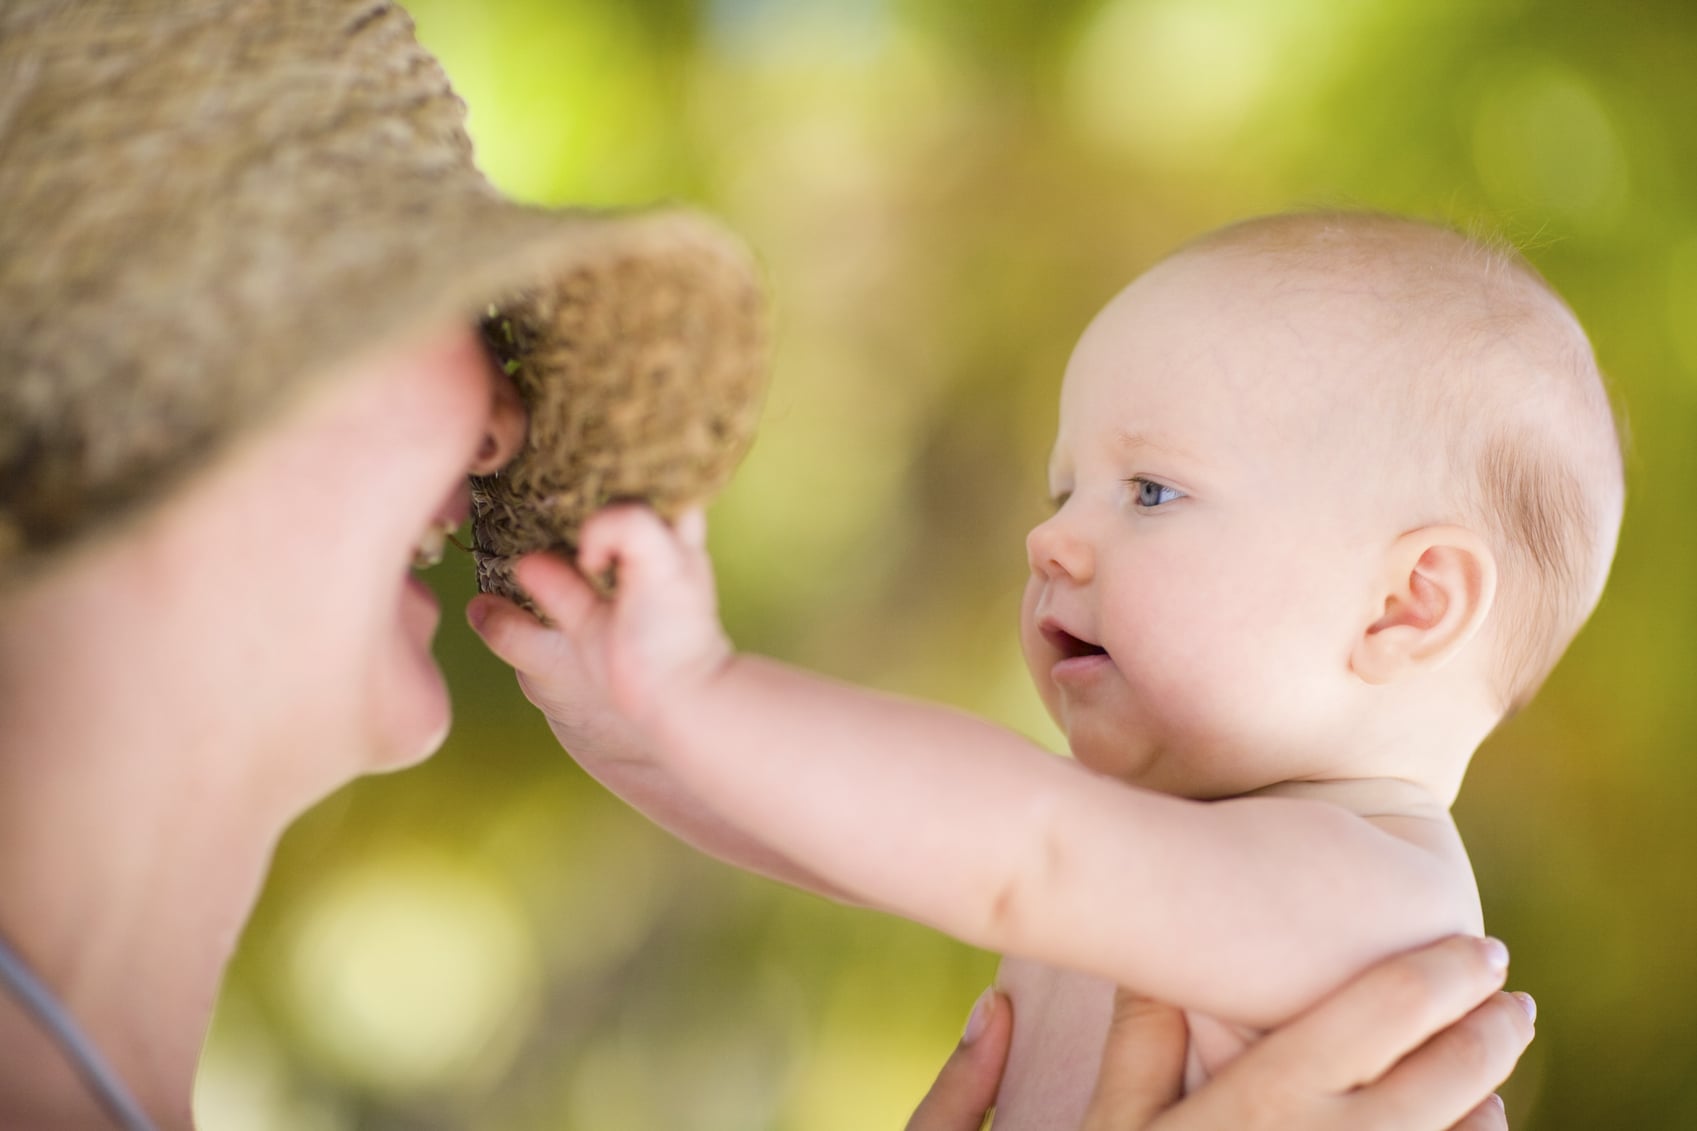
[
  {"x": 1247, "y": 909},
  {"x": 566, "y": 670}
]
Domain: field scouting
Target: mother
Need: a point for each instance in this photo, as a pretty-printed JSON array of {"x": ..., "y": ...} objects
[{"x": 242, "y": 255}]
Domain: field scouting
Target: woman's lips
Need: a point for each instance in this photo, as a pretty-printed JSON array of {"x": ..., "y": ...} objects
[
  {"x": 450, "y": 516},
  {"x": 420, "y": 611}
]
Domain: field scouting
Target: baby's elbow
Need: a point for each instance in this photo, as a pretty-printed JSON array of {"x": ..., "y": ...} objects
[{"x": 1028, "y": 878}]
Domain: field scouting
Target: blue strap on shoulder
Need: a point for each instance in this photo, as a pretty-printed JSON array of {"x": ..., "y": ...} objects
[{"x": 38, "y": 1001}]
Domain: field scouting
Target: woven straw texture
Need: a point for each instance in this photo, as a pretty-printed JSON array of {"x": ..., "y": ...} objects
[
  {"x": 209, "y": 205},
  {"x": 643, "y": 375}
]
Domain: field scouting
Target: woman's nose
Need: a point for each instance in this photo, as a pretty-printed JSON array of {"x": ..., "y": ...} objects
[
  {"x": 504, "y": 432},
  {"x": 1055, "y": 549}
]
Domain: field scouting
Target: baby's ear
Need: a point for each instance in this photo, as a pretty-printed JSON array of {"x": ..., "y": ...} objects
[{"x": 1438, "y": 586}]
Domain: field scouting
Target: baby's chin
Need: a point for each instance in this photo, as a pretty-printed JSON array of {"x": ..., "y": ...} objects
[
  {"x": 1151, "y": 765},
  {"x": 1128, "y": 758}
]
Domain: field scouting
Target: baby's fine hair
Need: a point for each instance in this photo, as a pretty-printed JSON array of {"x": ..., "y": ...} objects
[{"x": 1498, "y": 369}]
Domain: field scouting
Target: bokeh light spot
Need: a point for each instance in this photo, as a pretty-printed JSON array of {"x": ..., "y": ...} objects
[
  {"x": 1185, "y": 83},
  {"x": 855, "y": 29},
  {"x": 564, "y": 97},
  {"x": 1543, "y": 138},
  {"x": 411, "y": 971},
  {"x": 1172, "y": 79},
  {"x": 244, "y": 1082}
]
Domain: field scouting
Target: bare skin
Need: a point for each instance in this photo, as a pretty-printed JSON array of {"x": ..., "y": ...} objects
[
  {"x": 235, "y": 687},
  {"x": 1269, "y": 663},
  {"x": 1408, "y": 1046}
]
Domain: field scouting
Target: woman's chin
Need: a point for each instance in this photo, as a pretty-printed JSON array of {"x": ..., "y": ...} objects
[
  {"x": 411, "y": 702},
  {"x": 411, "y": 725}
]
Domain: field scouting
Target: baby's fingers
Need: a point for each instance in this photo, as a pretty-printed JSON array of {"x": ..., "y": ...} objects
[
  {"x": 692, "y": 528},
  {"x": 557, "y": 589},
  {"x": 634, "y": 541},
  {"x": 517, "y": 638}
]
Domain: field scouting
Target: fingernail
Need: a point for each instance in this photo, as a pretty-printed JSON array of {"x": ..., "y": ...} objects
[
  {"x": 1526, "y": 1003},
  {"x": 979, "y": 1018},
  {"x": 1496, "y": 953},
  {"x": 1496, "y": 1101},
  {"x": 476, "y": 613}
]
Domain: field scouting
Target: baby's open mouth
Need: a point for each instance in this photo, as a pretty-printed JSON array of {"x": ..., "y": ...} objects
[{"x": 1069, "y": 646}]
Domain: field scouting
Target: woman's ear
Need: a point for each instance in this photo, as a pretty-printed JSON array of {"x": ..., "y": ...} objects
[{"x": 1438, "y": 587}]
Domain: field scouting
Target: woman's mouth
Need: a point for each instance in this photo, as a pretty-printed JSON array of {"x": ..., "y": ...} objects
[
  {"x": 427, "y": 551},
  {"x": 450, "y": 516}
]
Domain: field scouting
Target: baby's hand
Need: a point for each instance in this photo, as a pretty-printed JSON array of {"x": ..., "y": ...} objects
[{"x": 605, "y": 667}]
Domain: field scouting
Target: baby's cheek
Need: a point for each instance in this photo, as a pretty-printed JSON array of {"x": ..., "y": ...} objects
[
  {"x": 1031, "y": 642},
  {"x": 1182, "y": 654},
  {"x": 1039, "y": 658}
]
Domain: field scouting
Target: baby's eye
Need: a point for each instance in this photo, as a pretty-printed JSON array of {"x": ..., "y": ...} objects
[
  {"x": 1149, "y": 494},
  {"x": 1059, "y": 499}
]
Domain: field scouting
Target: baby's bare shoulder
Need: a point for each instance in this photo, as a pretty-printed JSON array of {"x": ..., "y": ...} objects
[
  {"x": 1437, "y": 834},
  {"x": 1408, "y": 813}
]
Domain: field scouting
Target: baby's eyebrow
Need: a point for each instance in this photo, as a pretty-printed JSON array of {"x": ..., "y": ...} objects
[{"x": 1131, "y": 440}]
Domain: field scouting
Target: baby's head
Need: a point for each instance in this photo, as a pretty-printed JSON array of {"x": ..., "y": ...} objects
[{"x": 1335, "y": 492}]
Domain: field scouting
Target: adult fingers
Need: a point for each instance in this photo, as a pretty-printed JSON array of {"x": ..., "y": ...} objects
[
  {"x": 1488, "y": 1116},
  {"x": 1355, "y": 1036},
  {"x": 966, "y": 1086},
  {"x": 1142, "y": 1071},
  {"x": 1442, "y": 1080}
]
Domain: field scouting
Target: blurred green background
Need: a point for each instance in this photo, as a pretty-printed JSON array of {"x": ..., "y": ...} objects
[{"x": 943, "y": 193}]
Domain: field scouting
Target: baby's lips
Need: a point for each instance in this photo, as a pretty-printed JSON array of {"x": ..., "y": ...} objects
[{"x": 1065, "y": 642}]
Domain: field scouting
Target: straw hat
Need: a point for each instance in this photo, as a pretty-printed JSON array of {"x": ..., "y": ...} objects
[{"x": 208, "y": 205}]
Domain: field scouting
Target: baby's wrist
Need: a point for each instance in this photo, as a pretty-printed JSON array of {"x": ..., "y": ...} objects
[
  {"x": 598, "y": 741},
  {"x": 673, "y": 711}
]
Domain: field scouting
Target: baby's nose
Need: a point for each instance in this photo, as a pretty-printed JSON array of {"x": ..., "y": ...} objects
[
  {"x": 1055, "y": 549},
  {"x": 504, "y": 431}
]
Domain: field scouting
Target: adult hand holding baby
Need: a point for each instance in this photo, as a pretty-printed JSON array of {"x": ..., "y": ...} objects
[{"x": 1411, "y": 1045}]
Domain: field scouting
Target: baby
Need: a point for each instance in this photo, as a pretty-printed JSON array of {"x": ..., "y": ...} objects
[{"x": 1332, "y": 493}]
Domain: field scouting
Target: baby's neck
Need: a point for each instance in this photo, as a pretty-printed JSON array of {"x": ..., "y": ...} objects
[
  {"x": 1406, "y": 757},
  {"x": 1365, "y": 797}
]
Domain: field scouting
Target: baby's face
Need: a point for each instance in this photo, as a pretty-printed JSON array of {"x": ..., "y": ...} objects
[{"x": 1214, "y": 552}]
